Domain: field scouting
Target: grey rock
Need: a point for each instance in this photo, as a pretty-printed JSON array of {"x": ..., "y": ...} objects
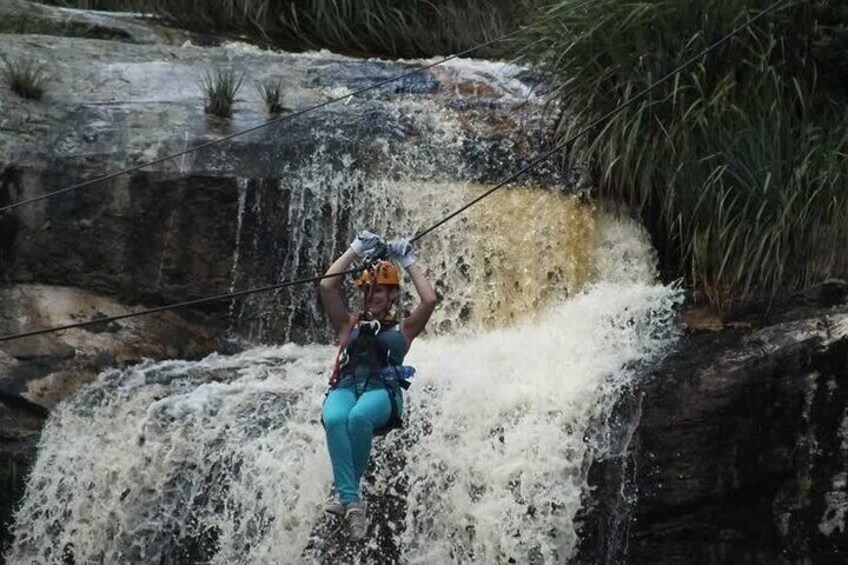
[
  {"x": 171, "y": 232},
  {"x": 22, "y": 17},
  {"x": 47, "y": 368},
  {"x": 739, "y": 453},
  {"x": 39, "y": 347}
]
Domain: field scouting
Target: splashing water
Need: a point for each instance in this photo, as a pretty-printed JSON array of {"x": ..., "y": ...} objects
[
  {"x": 395, "y": 180},
  {"x": 549, "y": 309},
  {"x": 223, "y": 460},
  {"x": 500, "y": 472}
]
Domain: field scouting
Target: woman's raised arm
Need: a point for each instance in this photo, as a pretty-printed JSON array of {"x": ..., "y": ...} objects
[
  {"x": 401, "y": 250},
  {"x": 414, "y": 323},
  {"x": 331, "y": 288},
  {"x": 332, "y": 297}
]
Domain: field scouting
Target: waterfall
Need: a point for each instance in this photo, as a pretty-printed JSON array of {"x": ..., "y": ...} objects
[
  {"x": 396, "y": 165},
  {"x": 223, "y": 460},
  {"x": 549, "y": 309}
]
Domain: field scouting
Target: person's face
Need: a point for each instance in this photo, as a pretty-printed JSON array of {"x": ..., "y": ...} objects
[{"x": 380, "y": 300}]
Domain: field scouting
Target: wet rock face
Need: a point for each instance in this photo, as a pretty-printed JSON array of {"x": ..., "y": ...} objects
[
  {"x": 20, "y": 428},
  {"x": 740, "y": 454},
  {"x": 152, "y": 240},
  {"x": 270, "y": 206},
  {"x": 47, "y": 368},
  {"x": 258, "y": 209}
]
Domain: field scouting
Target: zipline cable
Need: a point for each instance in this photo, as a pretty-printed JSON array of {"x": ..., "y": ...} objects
[
  {"x": 195, "y": 302},
  {"x": 510, "y": 178},
  {"x": 275, "y": 121},
  {"x": 638, "y": 96}
]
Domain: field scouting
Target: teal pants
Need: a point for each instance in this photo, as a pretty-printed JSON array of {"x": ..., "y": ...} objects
[{"x": 350, "y": 418}]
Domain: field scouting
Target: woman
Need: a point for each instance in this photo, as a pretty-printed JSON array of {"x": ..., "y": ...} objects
[{"x": 363, "y": 399}]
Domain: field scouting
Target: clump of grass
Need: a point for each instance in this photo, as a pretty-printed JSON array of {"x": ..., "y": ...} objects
[
  {"x": 104, "y": 5},
  {"x": 738, "y": 166},
  {"x": 398, "y": 28},
  {"x": 25, "y": 76},
  {"x": 271, "y": 91},
  {"x": 220, "y": 88}
]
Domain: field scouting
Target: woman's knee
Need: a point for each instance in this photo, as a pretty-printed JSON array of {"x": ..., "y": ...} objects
[
  {"x": 334, "y": 419},
  {"x": 358, "y": 419},
  {"x": 370, "y": 416}
]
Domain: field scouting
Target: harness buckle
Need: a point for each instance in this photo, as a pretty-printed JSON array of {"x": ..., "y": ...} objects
[{"x": 373, "y": 326}]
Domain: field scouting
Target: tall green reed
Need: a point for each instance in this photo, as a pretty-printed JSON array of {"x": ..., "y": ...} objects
[
  {"x": 105, "y": 5},
  {"x": 738, "y": 165},
  {"x": 397, "y": 28}
]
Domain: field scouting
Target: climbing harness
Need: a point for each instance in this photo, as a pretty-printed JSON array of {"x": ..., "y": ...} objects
[{"x": 363, "y": 340}]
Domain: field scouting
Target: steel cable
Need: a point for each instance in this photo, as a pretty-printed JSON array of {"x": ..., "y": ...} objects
[
  {"x": 641, "y": 94},
  {"x": 269, "y": 123}
]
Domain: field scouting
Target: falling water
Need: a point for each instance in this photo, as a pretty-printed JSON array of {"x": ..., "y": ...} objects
[
  {"x": 398, "y": 168},
  {"x": 223, "y": 460},
  {"x": 549, "y": 308}
]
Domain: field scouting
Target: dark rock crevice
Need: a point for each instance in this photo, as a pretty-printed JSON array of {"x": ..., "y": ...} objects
[
  {"x": 20, "y": 427},
  {"x": 10, "y": 190}
]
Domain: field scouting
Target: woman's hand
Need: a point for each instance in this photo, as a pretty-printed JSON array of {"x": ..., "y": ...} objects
[
  {"x": 365, "y": 242},
  {"x": 401, "y": 250}
]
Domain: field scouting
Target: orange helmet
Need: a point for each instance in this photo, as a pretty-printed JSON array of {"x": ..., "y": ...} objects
[{"x": 381, "y": 272}]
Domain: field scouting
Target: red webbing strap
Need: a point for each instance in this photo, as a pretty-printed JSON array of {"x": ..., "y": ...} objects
[{"x": 334, "y": 376}]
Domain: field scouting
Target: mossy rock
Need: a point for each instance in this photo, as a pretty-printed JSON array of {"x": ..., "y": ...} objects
[
  {"x": 22, "y": 17},
  {"x": 67, "y": 27}
]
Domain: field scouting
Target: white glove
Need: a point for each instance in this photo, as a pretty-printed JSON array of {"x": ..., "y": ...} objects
[
  {"x": 365, "y": 242},
  {"x": 401, "y": 250}
]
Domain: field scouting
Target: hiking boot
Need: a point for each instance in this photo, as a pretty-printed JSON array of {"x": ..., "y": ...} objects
[
  {"x": 356, "y": 522},
  {"x": 335, "y": 508}
]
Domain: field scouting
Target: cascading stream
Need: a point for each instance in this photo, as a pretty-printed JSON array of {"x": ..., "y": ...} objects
[
  {"x": 391, "y": 165},
  {"x": 549, "y": 308},
  {"x": 223, "y": 460}
]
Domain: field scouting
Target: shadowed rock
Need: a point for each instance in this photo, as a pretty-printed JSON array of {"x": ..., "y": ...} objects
[{"x": 740, "y": 450}]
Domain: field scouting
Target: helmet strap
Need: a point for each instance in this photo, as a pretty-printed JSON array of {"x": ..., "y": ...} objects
[{"x": 369, "y": 285}]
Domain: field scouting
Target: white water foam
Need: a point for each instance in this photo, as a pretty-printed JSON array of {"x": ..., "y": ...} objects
[
  {"x": 226, "y": 455},
  {"x": 502, "y": 470}
]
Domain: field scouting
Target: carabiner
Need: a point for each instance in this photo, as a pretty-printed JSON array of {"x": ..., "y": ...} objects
[{"x": 373, "y": 326}]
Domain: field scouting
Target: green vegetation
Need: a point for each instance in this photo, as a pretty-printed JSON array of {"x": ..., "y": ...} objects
[
  {"x": 395, "y": 28},
  {"x": 220, "y": 88},
  {"x": 271, "y": 92},
  {"x": 25, "y": 76},
  {"x": 739, "y": 165},
  {"x": 106, "y": 5}
]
